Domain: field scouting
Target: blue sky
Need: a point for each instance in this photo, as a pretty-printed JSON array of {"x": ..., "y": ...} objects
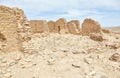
[{"x": 106, "y": 12}]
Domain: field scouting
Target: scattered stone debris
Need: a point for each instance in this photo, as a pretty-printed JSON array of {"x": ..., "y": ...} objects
[
  {"x": 76, "y": 52},
  {"x": 13, "y": 23},
  {"x": 88, "y": 60},
  {"x": 112, "y": 46},
  {"x": 115, "y": 57},
  {"x": 96, "y": 37},
  {"x": 90, "y": 26}
]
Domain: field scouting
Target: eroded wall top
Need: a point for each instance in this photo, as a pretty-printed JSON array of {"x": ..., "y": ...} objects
[{"x": 13, "y": 22}]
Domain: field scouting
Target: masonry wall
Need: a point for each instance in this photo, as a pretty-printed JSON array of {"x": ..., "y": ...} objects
[
  {"x": 39, "y": 26},
  {"x": 12, "y": 23}
]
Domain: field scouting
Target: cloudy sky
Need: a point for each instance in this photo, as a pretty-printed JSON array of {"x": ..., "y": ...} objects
[{"x": 106, "y": 12}]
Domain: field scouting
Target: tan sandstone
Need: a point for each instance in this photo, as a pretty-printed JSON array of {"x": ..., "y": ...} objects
[
  {"x": 51, "y": 26},
  {"x": 10, "y": 20},
  {"x": 90, "y": 26},
  {"x": 38, "y": 26},
  {"x": 60, "y": 26}
]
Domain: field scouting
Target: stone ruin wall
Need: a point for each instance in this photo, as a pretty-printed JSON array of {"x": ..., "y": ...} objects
[
  {"x": 39, "y": 26},
  {"x": 60, "y": 26},
  {"x": 15, "y": 28},
  {"x": 74, "y": 27},
  {"x": 51, "y": 26},
  {"x": 90, "y": 26},
  {"x": 12, "y": 24}
]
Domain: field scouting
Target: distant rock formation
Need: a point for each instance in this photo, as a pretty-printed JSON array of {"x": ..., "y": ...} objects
[
  {"x": 90, "y": 26},
  {"x": 12, "y": 23},
  {"x": 96, "y": 37},
  {"x": 74, "y": 27}
]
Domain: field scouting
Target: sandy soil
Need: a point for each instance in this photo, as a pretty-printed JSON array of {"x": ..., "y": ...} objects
[{"x": 64, "y": 56}]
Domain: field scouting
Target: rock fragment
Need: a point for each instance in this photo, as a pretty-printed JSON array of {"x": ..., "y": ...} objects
[
  {"x": 60, "y": 26},
  {"x": 96, "y": 37},
  {"x": 76, "y": 66},
  {"x": 115, "y": 57},
  {"x": 7, "y": 75}
]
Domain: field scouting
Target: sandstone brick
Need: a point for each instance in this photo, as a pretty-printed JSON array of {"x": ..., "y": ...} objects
[
  {"x": 61, "y": 26},
  {"x": 10, "y": 18},
  {"x": 39, "y": 26},
  {"x": 90, "y": 26},
  {"x": 51, "y": 26},
  {"x": 72, "y": 28}
]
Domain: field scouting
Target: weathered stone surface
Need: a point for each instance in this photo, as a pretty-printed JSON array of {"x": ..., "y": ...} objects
[
  {"x": 23, "y": 28},
  {"x": 72, "y": 28},
  {"x": 39, "y": 26},
  {"x": 51, "y": 26},
  {"x": 77, "y": 23},
  {"x": 96, "y": 37},
  {"x": 115, "y": 57},
  {"x": 8, "y": 25},
  {"x": 10, "y": 20},
  {"x": 90, "y": 26},
  {"x": 60, "y": 26}
]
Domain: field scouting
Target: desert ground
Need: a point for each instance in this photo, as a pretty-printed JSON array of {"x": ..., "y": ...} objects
[{"x": 52, "y": 55}]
